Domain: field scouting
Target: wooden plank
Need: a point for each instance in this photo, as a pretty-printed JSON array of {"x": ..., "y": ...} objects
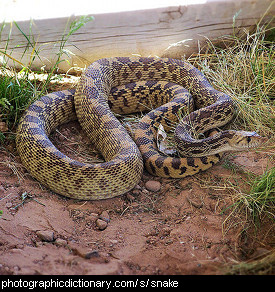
[{"x": 170, "y": 31}]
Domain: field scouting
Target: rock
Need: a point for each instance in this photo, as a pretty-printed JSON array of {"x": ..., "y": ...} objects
[
  {"x": 101, "y": 224},
  {"x": 92, "y": 217},
  {"x": 136, "y": 192},
  {"x": 8, "y": 205},
  {"x": 39, "y": 243},
  {"x": 92, "y": 254},
  {"x": 130, "y": 197},
  {"x": 104, "y": 216},
  {"x": 113, "y": 241},
  {"x": 45, "y": 235},
  {"x": 83, "y": 252},
  {"x": 194, "y": 201},
  {"x": 60, "y": 242},
  {"x": 153, "y": 185},
  {"x": 16, "y": 270},
  {"x": 2, "y": 190}
]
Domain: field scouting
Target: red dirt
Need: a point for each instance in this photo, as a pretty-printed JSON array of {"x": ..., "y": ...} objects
[{"x": 177, "y": 230}]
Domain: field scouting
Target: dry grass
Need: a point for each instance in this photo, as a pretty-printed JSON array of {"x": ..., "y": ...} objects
[
  {"x": 264, "y": 265},
  {"x": 240, "y": 65},
  {"x": 244, "y": 67}
]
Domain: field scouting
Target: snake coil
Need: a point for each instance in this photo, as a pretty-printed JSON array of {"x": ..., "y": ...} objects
[{"x": 125, "y": 85}]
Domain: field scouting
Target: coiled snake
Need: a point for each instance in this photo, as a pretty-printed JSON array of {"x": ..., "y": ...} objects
[{"x": 125, "y": 85}]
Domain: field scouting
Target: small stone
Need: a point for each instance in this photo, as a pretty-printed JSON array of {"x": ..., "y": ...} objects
[
  {"x": 194, "y": 201},
  {"x": 8, "y": 205},
  {"x": 16, "y": 269},
  {"x": 92, "y": 217},
  {"x": 2, "y": 190},
  {"x": 39, "y": 244},
  {"x": 101, "y": 224},
  {"x": 152, "y": 185},
  {"x": 60, "y": 242},
  {"x": 136, "y": 192},
  {"x": 92, "y": 254},
  {"x": 83, "y": 252},
  {"x": 45, "y": 235},
  {"x": 104, "y": 216},
  {"x": 113, "y": 241},
  {"x": 130, "y": 197}
]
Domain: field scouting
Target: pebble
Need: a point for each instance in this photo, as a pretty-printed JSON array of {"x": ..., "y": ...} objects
[
  {"x": 113, "y": 241},
  {"x": 136, "y": 192},
  {"x": 86, "y": 254},
  {"x": 39, "y": 243},
  {"x": 153, "y": 185},
  {"x": 83, "y": 252},
  {"x": 92, "y": 217},
  {"x": 194, "y": 201},
  {"x": 16, "y": 269},
  {"x": 8, "y": 205},
  {"x": 101, "y": 224},
  {"x": 130, "y": 197},
  {"x": 104, "y": 216},
  {"x": 92, "y": 254},
  {"x": 60, "y": 242},
  {"x": 2, "y": 190},
  {"x": 45, "y": 235}
]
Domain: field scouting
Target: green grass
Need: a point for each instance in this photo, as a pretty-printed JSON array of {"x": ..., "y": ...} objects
[
  {"x": 16, "y": 94},
  {"x": 243, "y": 66},
  {"x": 19, "y": 89},
  {"x": 259, "y": 198}
]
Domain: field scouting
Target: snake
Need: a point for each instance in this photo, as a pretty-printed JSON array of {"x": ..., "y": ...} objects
[{"x": 122, "y": 85}]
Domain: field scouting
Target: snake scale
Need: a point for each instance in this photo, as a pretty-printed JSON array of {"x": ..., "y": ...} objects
[{"x": 125, "y": 85}]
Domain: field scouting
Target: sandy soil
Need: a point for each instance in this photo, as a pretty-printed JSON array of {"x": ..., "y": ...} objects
[{"x": 178, "y": 229}]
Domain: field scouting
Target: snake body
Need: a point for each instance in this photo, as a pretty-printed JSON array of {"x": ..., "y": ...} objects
[{"x": 124, "y": 85}]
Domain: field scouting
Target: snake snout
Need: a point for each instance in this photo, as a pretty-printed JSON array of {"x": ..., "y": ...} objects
[{"x": 249, "y": 140}]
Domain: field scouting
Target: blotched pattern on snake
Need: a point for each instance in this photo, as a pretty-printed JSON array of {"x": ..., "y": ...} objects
[{"x": 125, "y": 85}]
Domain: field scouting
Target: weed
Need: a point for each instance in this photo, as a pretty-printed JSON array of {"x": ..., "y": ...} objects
[
  {"x": 25, "y": 197},
  {"x": 261, "y": 197},
  {"x": 19, "y": 89},
  {"x": 242, "y": 65}
]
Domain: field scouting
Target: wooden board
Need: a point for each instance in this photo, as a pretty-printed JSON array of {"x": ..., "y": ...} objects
[{"x": 170, "y": 31}]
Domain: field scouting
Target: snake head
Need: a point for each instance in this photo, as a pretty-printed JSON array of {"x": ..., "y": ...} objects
[{"x": 243, "y": 140}]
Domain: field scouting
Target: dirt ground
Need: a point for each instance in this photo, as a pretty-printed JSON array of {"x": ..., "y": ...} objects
[{"x": 183, "y": 226}]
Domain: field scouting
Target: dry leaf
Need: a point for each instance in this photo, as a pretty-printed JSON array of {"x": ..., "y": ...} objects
[{"x": 162, "y": 143}]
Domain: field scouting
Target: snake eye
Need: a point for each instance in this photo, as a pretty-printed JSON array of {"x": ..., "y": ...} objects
[{"x": 248, "y": 139}]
